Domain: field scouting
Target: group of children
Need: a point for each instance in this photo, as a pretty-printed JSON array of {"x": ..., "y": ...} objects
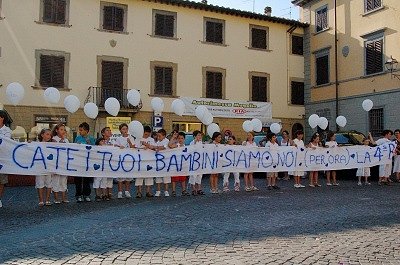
[{"x": 103, "y": 186}]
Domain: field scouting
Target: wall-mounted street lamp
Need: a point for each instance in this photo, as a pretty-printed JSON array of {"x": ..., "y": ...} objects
[{"x": 391, "y": 65}]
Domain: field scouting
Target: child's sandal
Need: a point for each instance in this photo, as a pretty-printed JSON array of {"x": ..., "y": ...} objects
[{"x": 41, "y": 204}]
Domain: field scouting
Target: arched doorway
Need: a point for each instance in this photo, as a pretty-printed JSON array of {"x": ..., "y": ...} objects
[{"x": 296, "y": 127}]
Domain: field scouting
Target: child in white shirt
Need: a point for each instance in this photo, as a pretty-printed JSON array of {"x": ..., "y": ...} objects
[
  {"x": 248, "y": 177},
  {"x": 145, "y": 143},
  {"x": 195, "y": 180},
  {"x": 180, "y": 142},
  {"x": 365, "y": 171},
  {"x": 59, "y": 182},
  {"x": 314, "y": 144},
  {"x": 272, "y": 176},
  {"x": 297, "y": 175},
  {"x": 385, "y": 170},
  {"x": 331, "y": 143},
  {"x": 231, "y": 141},
  {"x": 160, "y": 145},
  {"x": 124, "y": 141},
  {"x": 42, "y": 181}
]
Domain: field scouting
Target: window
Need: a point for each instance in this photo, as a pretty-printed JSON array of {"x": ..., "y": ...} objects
[
  {"x": 376, "y": 122},
  {"x": 297, "y": 45},
  {"x": 163, "y": 78},
  {"x": 214, "y": 30},
  {"x": 374, "y": 56},
  {"x": 370, "y": 5},
  {"x": 113, "y": 17},
  {"x": 321, "y": 18},
  {"x": 214, "y": 82},
  {"x": 112, "y": 75},
  {"x": 259, "y": 88},
  {"x": 322, "y": 68},
  {"x": 52, "y": 68},
  {"x": 54, "y": 11},
  {"x": 164, "y": 23},
  {"x": 258, "y": 37},
  {"x": 297, "y": 93}
]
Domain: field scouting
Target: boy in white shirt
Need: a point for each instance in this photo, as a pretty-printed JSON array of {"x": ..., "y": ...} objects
[
  {"x": 195, "y": 180},
  {"x": 146, "y": 142},
  {"x": 124, "y": 141},
  {"x": 385, "y": 170},
  {"x": 272, "y": 176},
  {"x": 160, "y": 145}
]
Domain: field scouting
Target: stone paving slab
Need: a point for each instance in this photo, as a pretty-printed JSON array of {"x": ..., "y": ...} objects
[{"x": 329, "y": 225}]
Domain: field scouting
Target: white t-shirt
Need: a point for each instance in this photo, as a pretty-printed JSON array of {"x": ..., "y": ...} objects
[
  {"x": 149, "y": 140},
  {"x": 331, "y": 144},
  {"x": 246, "y": 143},
  {"x": 5, "y": 132},
  {"x": 59, "y": 140},
  {"x": 382, "y": 141},
  {"x": 164, "y": 143},
  {"x": 298, "y": 143},
  {"x": 284, "y": 142},
  {"x": 272, "y": 146},
  {"x": 194, "y": 142},
  {"x": 123, "y": 141}
]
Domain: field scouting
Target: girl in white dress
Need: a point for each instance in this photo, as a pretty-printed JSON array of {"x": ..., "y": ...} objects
[
  {"x": 42, "y": 181},
  {"x": 297, "y": 175},
  {"x": 314, "y": 144},
  {"x": 248, "y": 177},
  {"x": 331, "y": 143}
]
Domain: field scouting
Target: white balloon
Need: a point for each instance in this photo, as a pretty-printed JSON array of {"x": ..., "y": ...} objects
[
  {"x": 212, "y": 128},
  {"x": 275, "y": 127},
  {"x": 15, "y": 93},
  {"x": 178, "y": 107},
  {"x": 136, "y": 129},
  {"x": 323, "y": 123},
  {"x": 247, "y": 126},
  {"x": 313, "y": 120},
  {"x": 91, "y": 110},
  {"x": 257, "y": 125},
  {"x": 341, "y": 121},
  {"x": 112, "y": 106},
  {"x": 72, "y": 103},
  {"x": 157, "y": 104},
  {"x": 200, "y": 111},
  {"x": 207, "y": 119},
  {"x": 52, "y": 95},
  {"x": 367, "y": 104},
  {"x": 133, "y": 97}
]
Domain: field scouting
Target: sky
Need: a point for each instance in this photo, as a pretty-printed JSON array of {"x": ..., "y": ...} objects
[{"x": 280, "y": 8}]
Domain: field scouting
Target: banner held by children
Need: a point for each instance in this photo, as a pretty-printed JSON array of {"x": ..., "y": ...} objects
[{"x": 39, "y": 158}]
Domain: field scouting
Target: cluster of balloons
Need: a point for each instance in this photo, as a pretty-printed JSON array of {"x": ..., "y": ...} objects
[
  {"x": 254, "y": 125},
  {"x": 314, "y": 120}
]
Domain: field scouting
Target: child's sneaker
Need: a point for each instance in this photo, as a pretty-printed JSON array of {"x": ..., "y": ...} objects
[
  {"x": 173, "y": 194},
  {"x": 87, "y": 199},
  {"x": 148, "y": 195},
  {"x": 301, "y": 186},
  {"x": 254, "y": 188},
  {"x": 359, "y": 183},
  {"x": 158, "y": 193},
  {"x": 367, "y": 183},
  {"x": 166, "y": 193},
  {"x": 247, "y": 189},
  {"x": 1, "y": 204},
  {"x": 296, "y": 186},
  {"x": 119, "y": 196},
  {"x": 138, "y": 195},
  {"x": 79, "y": 199},
  {"x": 128, "y": 194},
  {"x": 328, "y": 184},
  {"x": 335, "y": 184}
]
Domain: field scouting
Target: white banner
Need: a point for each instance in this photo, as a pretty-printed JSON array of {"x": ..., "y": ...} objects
[
  {"x": 105, "y": 161},
  {"x": 230, "y": 108}
]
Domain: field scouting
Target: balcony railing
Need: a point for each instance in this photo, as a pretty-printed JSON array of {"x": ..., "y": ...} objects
[{"x": 99, "y": 95}]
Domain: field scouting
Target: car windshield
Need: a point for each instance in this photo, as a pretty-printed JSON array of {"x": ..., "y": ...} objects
[{"x": 342, "y": 139}]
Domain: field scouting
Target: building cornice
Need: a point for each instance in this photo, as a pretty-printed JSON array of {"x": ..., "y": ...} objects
[
  {"x": 301, "y": 2},
  {"x": 229, "y": 11}
]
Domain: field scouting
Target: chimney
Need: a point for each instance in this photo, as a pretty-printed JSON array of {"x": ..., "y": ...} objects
[
  {"x": 204, "y": 2},
  {"x": 268, "y": 11}
]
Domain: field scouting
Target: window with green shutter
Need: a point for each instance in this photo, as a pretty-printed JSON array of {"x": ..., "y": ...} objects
[
  {"x": 164, "y": 24},
  {"x": 113, "y": 18},
  {"x": 54, "y": 11},
  {"x": 52, "y": 71},
  {"x": 259, "y": 88},
  {"x": 374, "y": 56}
]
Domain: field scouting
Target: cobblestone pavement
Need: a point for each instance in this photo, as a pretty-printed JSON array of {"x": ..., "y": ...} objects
[{"x": 328, "y": 225}]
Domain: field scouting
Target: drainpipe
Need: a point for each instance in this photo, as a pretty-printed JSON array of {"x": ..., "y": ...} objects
[{"x": 336, "y": 68}]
